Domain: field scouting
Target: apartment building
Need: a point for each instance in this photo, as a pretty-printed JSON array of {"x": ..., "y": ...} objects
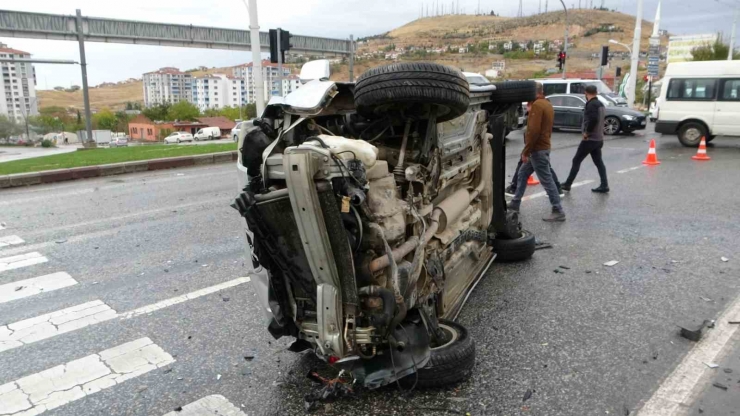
[
  {"x": 17, "y": 85},
  {"x": 218, "y": 91},
  {"x": 167, "y": 85},
  {"x": 270, "y": 75}
]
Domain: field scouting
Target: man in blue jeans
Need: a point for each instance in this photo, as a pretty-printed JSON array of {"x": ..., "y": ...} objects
[{"x": 536, "y": 156}]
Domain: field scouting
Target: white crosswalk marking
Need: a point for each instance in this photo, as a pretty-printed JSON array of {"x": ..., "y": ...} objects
[
  {"x": 57, "y": 386},
  {"x": 629, "y": 169},
  {"x": 214, "y": 405},
  {"x": 46, "y": 326},
  {"x": 34, "y": 286},
  {"x": 23, "y": 260},
  {"x": 10, "y": 240},
  {"x": 66, "y": 320}
]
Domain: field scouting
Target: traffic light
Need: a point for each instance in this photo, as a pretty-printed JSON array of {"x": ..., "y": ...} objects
[
  {"x": 284, "y": 45},
  {"x": 604, "y": 55},
  {"x": 561, "y": 59}
]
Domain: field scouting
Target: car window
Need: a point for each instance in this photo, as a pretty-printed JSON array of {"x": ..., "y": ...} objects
[
  {"x": 477, "y": 80},
  {"x": 556, "y": 101},
  {"x": 572, "y": 102},
  {"x": 731, "y": 90},
  {"x": 238, "y": 126},
  {"x": 555, "y": 88},
  {"x": 697, "y": 89},
  {"x": 173, "y": 134},
  {"x": 577, "y": 88}
]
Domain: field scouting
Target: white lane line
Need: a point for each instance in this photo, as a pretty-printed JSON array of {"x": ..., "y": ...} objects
[
  {"x": 541, "y": 194},
  {"x": 10, "y": 240},
  {"x": 56, "y": 323},
  {"x": 22, "y": 260},
  {"x": 2, "y": 225},
  {"x": 675, "y": 392},
  {"x": 183, "y": 298},
  {"x": 57, "y": 386},
  {"x": 66, "y": 320},
  {"x": 214, "y": 405},
  {"x": 629, "y": 169},
  {"x": 34, "y": 286}
]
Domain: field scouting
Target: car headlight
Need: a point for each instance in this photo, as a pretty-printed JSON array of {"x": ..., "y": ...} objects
[{"x": 628, "y": 118}]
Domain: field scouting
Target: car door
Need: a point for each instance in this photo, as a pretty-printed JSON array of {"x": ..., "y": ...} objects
[
  {"x": 574, "y": 111},
  {"x": 727, "y": 109},
  {"x": 560, "y": 111}
]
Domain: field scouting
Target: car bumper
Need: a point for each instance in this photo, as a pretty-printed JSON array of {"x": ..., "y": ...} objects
[
  {"x": 666, "y": 127},
  {"x": 636, "y": 124}
]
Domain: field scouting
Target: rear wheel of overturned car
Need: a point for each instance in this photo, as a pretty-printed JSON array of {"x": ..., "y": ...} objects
[
  {"x": 516, "y": 249},
  {"x": 514, "y": 92},
  {"x": 451, "y": 362},
  {"x": 414, "y": 88}
]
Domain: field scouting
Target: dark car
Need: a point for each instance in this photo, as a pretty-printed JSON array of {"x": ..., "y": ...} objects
[{"x": 569, "y": 114}]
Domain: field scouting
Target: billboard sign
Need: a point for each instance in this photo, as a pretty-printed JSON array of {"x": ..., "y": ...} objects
[{"x": 680, "y": 47}]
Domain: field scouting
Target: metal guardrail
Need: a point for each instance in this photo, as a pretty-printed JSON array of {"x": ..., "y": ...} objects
[{"x": 63, "y": 27}]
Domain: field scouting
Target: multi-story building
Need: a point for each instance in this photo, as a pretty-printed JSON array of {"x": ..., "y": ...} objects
[
  {"x": 269, "y": 77},
  {"x": 17, "y": 85},
  {"x": 218, "y": 91},
  {"x": 167, "y": 85}
]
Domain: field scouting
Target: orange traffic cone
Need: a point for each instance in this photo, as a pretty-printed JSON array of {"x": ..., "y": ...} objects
[
  {"x": 652, "y": 157},
  {"x": 701, "y": 154},
  {"x": 532, "y": 180}
]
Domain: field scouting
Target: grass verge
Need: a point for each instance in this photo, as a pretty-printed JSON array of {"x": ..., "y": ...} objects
[{"x": 105, "y": 156}]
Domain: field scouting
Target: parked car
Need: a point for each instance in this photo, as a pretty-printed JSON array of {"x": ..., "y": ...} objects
[
  {"x": 361, "y": 251},
  {"x": 569, "y": 114},
  {"x": 207, "y": 133},
  {"x": 700, "y": 99},
  {"x": 120, "y": 141},
  {"x": 247, "y": 125},
  {"x": 478, "y": 84},
  {"x": 178, "y": 137}
]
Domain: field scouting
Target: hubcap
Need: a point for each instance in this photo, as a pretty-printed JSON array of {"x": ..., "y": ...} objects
[
  {"x": 692, "y": 134},
  {"x": 451, "y": 335},
  {"x": 611, "y": 125}
]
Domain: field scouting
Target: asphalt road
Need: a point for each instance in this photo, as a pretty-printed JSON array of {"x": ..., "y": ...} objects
[{"x": 588, "y": 340}]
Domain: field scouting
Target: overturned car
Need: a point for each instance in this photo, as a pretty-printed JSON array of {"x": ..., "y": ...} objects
[{"x": 373, "y": 209}]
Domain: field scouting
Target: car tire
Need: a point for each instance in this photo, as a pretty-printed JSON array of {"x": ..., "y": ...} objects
[
  {"x": 710, "y": 138},
  {"x": 514, "y": 92},
  {"x": 450, "y": 363},
  {"x": 413, "y": 87},
  {"x": 517, "y": 249},
  {"x": 178, "y": 141},
  {"x": 690, "y": 134},
  {"x": 612, "y": 126}
]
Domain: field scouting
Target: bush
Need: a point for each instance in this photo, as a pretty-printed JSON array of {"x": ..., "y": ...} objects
[{"x": 46, "y": 143}]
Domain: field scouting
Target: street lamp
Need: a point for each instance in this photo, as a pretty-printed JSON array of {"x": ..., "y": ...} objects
[{"x": 621, "y": 44}]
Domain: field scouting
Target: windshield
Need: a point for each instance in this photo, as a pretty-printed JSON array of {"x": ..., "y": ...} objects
[{"x": 477, "y": 80}]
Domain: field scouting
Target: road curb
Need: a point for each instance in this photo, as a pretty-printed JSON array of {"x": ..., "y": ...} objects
[{"x": 60, "y": 175}]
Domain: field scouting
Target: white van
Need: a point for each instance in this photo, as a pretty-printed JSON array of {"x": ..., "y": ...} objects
[
  {"x": 578, "y": 86},
  {"x": 207, "y": 133},
  {"x": 700, "y": 99}
]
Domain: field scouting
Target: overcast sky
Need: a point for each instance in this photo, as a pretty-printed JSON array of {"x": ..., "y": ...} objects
[{"x": 329, "y": 18}]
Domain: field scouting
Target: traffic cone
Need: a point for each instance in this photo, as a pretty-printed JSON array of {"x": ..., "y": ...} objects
[
  {"x": 652, "y": 157},
  {"x": 701, "y": 154},
  {"x": 532, "y": 180}
]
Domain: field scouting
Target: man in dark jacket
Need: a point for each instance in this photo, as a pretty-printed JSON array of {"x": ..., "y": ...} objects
[
  {"x": 593, "y": 141},
  {"x": 536, "y": 156}
]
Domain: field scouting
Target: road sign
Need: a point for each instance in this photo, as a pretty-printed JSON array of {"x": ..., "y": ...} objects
[{"x": 654, "y": 57}]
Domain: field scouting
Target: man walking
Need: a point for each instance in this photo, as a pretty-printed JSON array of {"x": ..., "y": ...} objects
[
  {"x": 593, "y": 141},
  {"x": 536, "y": 156}
]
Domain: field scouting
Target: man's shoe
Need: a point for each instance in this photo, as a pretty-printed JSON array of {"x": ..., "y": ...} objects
[
  {"x": 560, "y": 191},
  {"x": 601, "y": 189},
  {"x": 555, "y": 216},
  {"x": 565, "y": 187},
  {"x": 511, "y": 206},
  {"x": 510, "y": 191}
]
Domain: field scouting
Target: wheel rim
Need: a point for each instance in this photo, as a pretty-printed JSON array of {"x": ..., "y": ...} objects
[
  {"x": 452, "y": 335},
  {"x": 611, "y": 125},
  {"x": 692, "y": 135}
]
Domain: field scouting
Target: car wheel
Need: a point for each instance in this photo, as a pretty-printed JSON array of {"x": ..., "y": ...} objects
[
  {"x": 414, "y": 88},
  {"x": 451, "y": 362},
  {"x": 710, "y": 138},
  {"x": 514, "y": 92},
  {"x": 178, "y": 141},
  {"x": 690, "y": 134},
  {"x": 236, "y": 138},
  {"x": 612, "y": 125},
  {"x": 517, "y": 249}
]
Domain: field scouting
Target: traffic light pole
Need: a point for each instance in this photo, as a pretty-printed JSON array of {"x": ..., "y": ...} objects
[
  {"x": 565, "y": 46},
  {"x": 280, "y": 61}
]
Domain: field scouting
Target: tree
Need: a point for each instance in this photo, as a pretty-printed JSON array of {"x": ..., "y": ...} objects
[
  {"x": 104, "y": 120},
  {"x": 157, "y": 112},
  {"x": 717, "y": 51},
  {"x": 183, "y": 110},
  {"x": 8, "y": 127},
  {"x": 46, "y": 123}
]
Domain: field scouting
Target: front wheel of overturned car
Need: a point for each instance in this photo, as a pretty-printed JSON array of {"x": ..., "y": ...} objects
[
  {"x": 514, "y": 92},
  {"x": 451, "y": 362},
  {"x": 516, "y": 249}
]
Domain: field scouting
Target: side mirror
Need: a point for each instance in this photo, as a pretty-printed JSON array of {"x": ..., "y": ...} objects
[{"x": 312, "y": 70}]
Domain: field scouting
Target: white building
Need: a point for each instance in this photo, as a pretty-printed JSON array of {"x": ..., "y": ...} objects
[
  {"x": 290, "y": 84},
  {"x": 269, "y": 77},
  {"x": 167, "y": 85},
  {"x": 17, "y": 86},
  {"x": 508, "y": 45},
  {"x": 218, "y": 91}
]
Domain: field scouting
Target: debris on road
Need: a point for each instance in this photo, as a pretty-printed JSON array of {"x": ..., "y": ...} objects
[
  {"x": 725, "y": 259},
  {"x": 218, "y": 376},
  {"x": 564, "y": 267},
  {"x": 332, "y": 389},
  {"x": 727, "y": 370},
  {"x": 249, "y": 357},
  {"x": 527, "y": 395},
  {"x": 557, "y": 271},
  {"x": 541, "y": 246},
  {"x": 719, "y": 385},
  {"x": 733, "y": 322},
  {"x": 19, "y": 288},
  {"x": 691, "y": 331},
  {"x": 225, "y": 299},
  {"x": 711, "y": 365},
  {"x": 64, "y": 240},
  {"x": 611, "y": 263},
  {"x": 705, "y": 299}
]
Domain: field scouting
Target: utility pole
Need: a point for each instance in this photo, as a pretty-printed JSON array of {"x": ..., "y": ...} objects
[
  {"x": 565, "y": 45},
  {"x": 635, "y": 57},
  {"x": 539, "y": 9},
  {"x": 254, "y": 39},
  {"x": 546, "y": 6},
  {"x": 732, "y": 37},
  {"x": 85, "y": 92}
]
